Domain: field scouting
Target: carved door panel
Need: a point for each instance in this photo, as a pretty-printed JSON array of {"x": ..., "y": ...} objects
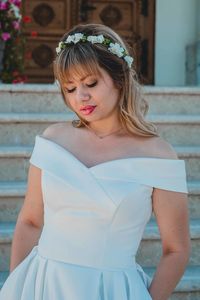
[
  {"x": 48, "y": 21},
  {"x": 133, "y": 19}
]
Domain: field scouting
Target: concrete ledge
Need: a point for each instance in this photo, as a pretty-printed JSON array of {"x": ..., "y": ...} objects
[
  {"x": 29, "y": 88},
  {"x": 34, "y": 117},
  {"x": 53, "y": 88},
  {"x": 3, "y": 276},
  {"x": 187, "y": 90},
  {"x": 15, "y": 151},
  {"x": 174, "y": 119},
  {"x": 188, "y": 151},
  {"x": 63, "y": 117},
  {"x": 14, "y": 189}
]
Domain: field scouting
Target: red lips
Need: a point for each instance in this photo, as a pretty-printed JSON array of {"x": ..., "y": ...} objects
[{"x": 88, "y": 109}]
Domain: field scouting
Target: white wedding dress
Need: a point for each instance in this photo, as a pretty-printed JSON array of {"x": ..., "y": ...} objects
[{"x": 94, "y": 219}]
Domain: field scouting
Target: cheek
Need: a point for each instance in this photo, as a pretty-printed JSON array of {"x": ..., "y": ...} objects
[
  {"x": 70, "y": 101},
  {"x": 105, "y": 91},
  {"x": 107, "y": 96},
  {"x": 114, "y": 96}
]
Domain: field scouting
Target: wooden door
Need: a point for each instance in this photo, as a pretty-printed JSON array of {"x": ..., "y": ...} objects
[{"x": 133, "y": 19}]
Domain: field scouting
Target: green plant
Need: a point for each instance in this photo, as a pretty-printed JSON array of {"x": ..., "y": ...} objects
[{"x": 11, "y": 34}]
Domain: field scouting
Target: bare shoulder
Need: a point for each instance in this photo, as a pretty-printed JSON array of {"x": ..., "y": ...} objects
[
  {"x": 160, "y": 148},
  {"x": 54, "y": 131}
]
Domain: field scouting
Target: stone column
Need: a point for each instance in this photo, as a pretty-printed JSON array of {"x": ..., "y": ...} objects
[
  {"x": 193, "y": 52},
  {"x": 198, "y": 41}
]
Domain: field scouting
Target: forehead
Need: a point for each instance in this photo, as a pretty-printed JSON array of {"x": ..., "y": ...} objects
[
  {"x": 73, "y": 77},
  {"x": 80, "y": 72}
]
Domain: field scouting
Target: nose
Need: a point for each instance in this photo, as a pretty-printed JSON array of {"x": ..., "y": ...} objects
[{"x": 82, "y": 94}]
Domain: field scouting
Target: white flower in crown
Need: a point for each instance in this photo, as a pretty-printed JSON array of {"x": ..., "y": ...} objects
[
  {"x": 59, "y": 48},
  {"x": 129, "y": 60},
  {"x": 15, "y": 10},
  {"x": 75, "y": 38},
  {"x": 115, "y": 48},
  {"x": 95, "y": 38}
]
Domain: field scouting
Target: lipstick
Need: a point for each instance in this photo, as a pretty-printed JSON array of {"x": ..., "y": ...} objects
[{"x": 88, "y": 109}]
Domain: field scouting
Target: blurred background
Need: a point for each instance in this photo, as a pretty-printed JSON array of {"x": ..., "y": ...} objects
[{"x": 165, "y": 35}]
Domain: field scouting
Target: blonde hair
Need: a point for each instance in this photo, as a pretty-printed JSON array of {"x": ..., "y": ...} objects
[{"x": 82, "y": 58}]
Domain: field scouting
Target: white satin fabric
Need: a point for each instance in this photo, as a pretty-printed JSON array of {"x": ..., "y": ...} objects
[{"x": 94, "y": 219}]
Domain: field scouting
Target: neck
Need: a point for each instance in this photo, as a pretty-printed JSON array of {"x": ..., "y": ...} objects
[{"x": 105, "y": 126}]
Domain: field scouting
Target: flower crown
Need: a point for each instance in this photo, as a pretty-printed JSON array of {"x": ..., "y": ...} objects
[{"x": 114, "y": 48}]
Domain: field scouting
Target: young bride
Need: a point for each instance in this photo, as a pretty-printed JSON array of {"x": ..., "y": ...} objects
[{"x": 92, "y": 186}]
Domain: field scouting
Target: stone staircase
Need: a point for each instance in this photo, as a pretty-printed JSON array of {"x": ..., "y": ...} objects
[{"x": 26, "y": 110}]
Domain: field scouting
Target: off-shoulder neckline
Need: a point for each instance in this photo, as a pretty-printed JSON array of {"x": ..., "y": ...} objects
[{"x": 117, "y": 160}]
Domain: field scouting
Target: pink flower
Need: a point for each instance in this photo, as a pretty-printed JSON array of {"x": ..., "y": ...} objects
[
  {"x": 3, "y": 5},
  {"x": 5, "y": 36},
  {"x": 16, "y": 25}
]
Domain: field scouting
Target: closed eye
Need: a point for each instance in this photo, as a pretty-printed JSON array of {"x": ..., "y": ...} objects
[
  {"x": 92, "y": 84},
  {"x": 89, "y": 85},
  {"x": 71, "y": 91}
]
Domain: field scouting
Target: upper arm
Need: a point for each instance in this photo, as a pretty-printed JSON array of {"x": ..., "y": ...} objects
[{"x": 171, "y": 211}]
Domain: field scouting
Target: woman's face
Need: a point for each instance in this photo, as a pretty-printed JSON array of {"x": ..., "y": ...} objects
[{"x": 92, "y": 97}]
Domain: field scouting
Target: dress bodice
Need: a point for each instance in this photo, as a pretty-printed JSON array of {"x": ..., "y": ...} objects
[{"x": 96, "y": 216}]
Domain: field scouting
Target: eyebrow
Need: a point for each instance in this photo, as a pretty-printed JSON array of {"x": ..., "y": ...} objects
[{"x": 80, "y": 79}]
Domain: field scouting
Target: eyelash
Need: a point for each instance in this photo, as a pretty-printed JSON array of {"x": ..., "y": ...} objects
[{"x": 89, "y": 85}]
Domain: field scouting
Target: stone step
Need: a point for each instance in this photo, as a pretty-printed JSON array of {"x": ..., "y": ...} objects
[
  {"x": 12, "y": 195},
  {"x": 47, "y": 98},
  {"x": 187, "y": 289},
  {"x": 178, "y": 129},
  {"x": 173, "y": 100},
  {"x": 14, "y": 161},
  {"x": 21, "y": 128},
  {"x": 149, "y": 251},
  {"x": 31, "y": 98},
  {"x": 3, "y": 276},
  {"x": 57, "y": 117}
]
